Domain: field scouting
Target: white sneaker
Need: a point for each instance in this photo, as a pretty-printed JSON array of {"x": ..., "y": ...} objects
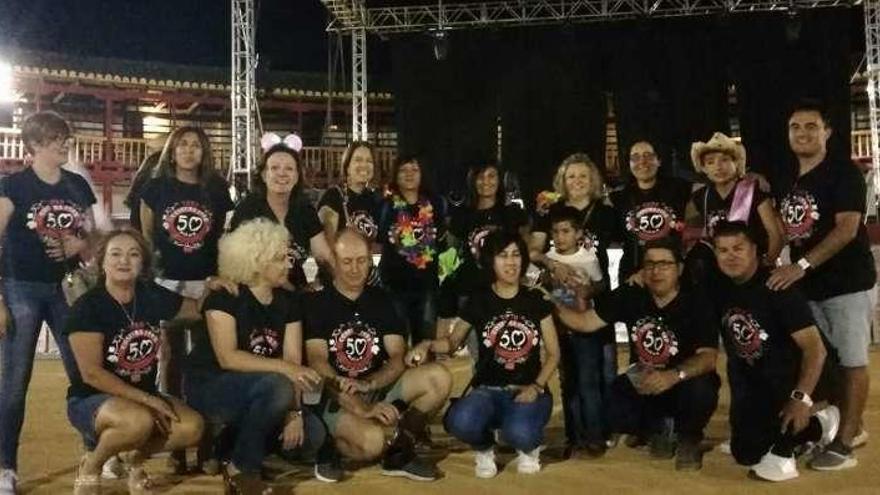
[
  {"x": 485, "y": 463},
  {"x": 113, "y": 469},
  {"x": 8, "y": 480},
  {"x": 528, "y": 462},
  {"x": 724, "y": 447},
  {"x": 776, "y": 468},
  {"x": 829, "y": 418},
  {"x": 861, "y": 439}
]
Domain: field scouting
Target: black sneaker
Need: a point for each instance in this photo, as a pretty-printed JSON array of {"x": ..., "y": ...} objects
[
  {"x": 594, "y": 450},
  {"x": 329, "y": 472},
  {"x": 662, "y": 446},
  {"x": 689, "y": 457},
  {"x": 416, "y": 470}
]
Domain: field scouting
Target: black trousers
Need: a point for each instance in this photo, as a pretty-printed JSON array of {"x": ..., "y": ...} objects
[
  {"x": 689, "y": 405},
  {"x": 755, "y": 404}
]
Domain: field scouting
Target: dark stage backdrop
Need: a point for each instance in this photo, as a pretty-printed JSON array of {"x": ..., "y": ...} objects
[{"x": 669, "y": 80}]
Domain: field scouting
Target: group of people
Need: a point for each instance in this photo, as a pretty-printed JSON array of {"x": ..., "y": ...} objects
[{"x": 202, "y": 333}]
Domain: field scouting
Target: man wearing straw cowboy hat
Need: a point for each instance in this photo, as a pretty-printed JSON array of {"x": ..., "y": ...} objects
[{"x": 822, "y": 211}]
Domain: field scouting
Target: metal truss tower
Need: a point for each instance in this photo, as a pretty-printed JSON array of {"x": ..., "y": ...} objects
[
  {"x": 243, "y": 95},
  {"x": 872, "y": 56},
  {"x": 351, "y": 16}
]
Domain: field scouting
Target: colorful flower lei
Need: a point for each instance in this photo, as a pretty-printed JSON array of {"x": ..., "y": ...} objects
[
  {"x": 414, "y": 235},
  {"x": 545, "y": 200}
]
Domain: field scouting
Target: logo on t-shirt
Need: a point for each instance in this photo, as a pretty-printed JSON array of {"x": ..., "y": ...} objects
[
  {"x": 653, "y": 220},
  {"x": 133, "y": 351},
  {"x": 590, "y": 241},
  {"x": 364, "y": 223},
  {"x": 800, "y": 212},
  {"x": 264, "y": 342},
  {"x": 55, "y": 218},
  {"x": 512, "y": 337},
  {"x": 477, "y": 237},
  {"x": 188, "y": 224},
  {"x": 654, "y": 342},
  {"x": 745, "y": 333},
  {"x": 296, "y": 253},
  {"x": 713, "y": 219},
  {"x": 355, "y": 344}
]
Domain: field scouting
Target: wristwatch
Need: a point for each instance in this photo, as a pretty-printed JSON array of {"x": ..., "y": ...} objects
[
  {"x": 804, "y": 263},
  {"x": 801, "y": 396}
]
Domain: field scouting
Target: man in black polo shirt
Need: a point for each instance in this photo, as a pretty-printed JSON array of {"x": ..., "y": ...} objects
[
  {"x": 670, "y": 390},
  {"x": 775, "y": 358},
  {"x": 823, "y": 215}
]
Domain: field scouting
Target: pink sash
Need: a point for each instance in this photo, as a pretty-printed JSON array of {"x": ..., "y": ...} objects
[{"x": 742, "y": 201}]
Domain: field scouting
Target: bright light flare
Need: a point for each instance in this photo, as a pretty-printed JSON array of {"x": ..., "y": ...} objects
[{"x": 7, "y": 93}]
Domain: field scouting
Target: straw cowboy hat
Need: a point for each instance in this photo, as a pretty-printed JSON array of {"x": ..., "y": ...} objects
[{"x": 724, "y": 144}]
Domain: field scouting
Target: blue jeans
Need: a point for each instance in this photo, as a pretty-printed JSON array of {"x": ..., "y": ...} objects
[
  {"x": 418, "y": 309},
  {"x": 252, "y": 408},
  {"x": 587, "y": 370},
  {"x": 29, "y": 304},
  {"x": 473, "y": 418}
]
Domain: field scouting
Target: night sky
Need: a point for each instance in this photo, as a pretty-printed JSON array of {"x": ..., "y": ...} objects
[{"x": 290, "y": 32}]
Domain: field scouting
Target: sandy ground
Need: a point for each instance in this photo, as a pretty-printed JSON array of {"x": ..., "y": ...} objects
[{"x": 50, "y": 449}]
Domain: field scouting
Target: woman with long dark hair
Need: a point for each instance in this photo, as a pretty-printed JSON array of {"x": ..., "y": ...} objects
[
  {"x": 354, "y": 203},
  {"x": 412, "y": 231},
  {"x": 277, "y": 196},
  {"x": 114, "y": 332},
  {"x": 45, "y": 215}
]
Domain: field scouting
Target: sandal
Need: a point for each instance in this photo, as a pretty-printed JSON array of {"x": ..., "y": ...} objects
[
  {"x": 244, "y": 484},
  {"x": 86, "y": 484},
  {"x": 139, "y": 482}
]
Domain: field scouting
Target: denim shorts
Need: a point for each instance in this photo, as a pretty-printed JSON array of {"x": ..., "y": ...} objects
[
  {"x": 331, "y": 410},
  {"x": 846, "y": 322},
  {"x": 82, "y": 411}
]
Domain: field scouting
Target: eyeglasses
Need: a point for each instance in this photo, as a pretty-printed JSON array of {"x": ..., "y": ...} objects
[
  {"x": 659, "y": 265},
  {"x": 648, "y": 155}
]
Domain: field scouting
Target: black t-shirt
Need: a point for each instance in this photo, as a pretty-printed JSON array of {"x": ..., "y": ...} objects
[
  {"x": 509, "y": 332},
  {"x": 357, "y": 210},
  {"x": 353, "y": 330},
  {"x": 301, "y": 221},
  {"x": 188, "y": 222},
  {"x": 42, "y": 211},
  {"x": 808, "y": 208},
  {"x": 707, "y": 199},
  {"x": 756, "y": 326},
  {"x": 412, "y": 238},
  {"x": 660, "y": 337},
  {"x": 646, "y": 215},
  {"x": 131, "y": 346},
  {"x": 471, "y": 227},
  {"x": 598, "y": 223},
  {"x": 259, "y": 328}
]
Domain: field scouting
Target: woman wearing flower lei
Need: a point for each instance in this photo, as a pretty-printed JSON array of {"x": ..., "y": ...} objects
[{"x": 412, "y": 232}]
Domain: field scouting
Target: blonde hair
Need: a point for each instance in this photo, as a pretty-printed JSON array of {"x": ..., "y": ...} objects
[
  {"x": 246, "y": 250},
  {"x": 596, "y": 181}
]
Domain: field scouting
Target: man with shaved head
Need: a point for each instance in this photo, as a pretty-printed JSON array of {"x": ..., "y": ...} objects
[{"x": 355, "y": 340}]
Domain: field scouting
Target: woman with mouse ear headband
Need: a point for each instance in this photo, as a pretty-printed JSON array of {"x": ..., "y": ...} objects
[{"x": 277, "y": 196}]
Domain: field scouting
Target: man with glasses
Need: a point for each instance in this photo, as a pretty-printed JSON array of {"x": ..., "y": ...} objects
[
  {"x": 649, "y": 207},
  {"x": 670, "y": 390}
]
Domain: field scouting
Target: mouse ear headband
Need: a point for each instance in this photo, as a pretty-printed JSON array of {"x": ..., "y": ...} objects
[{"x": 291, "y": 141}]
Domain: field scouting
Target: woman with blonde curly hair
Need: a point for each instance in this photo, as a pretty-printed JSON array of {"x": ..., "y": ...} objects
[
  {"x": 588, "y": 362},
  {"x": 249, "y": 377}
]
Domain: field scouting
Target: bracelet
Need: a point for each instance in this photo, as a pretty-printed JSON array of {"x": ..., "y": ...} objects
[
  {"x": 296, "y": 413},
  {"x": 539, "y": 387}
]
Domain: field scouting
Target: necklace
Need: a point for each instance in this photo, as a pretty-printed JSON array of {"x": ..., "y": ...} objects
[{"x": 129, "y": 316}]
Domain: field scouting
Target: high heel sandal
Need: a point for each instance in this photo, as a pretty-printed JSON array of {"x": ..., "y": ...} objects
[
  {"x": 86, "y": 484},
  {"x": 244, "y": 484}
]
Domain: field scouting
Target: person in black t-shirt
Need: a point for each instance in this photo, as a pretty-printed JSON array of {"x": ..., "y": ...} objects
[
  {"x": 412, "y": 229},
  {"x": 822, "y": 211},
  {"x": 733, "y": 196},
  {"x": 45, "y": 215},
  {"x": 774, "y": 364},
  {"x": 354, "y": 340},
  {"x": 277, "y": 196},
  {"x": 485, "y": 210},
  {"x": 250, "y": 375},
  {"x": 670, "y": 389},
  {"x": 650, "y": 207},
  {"x": 354, "y": 203},
  {"x": 589, "y": 362},
  {"x": 514, "y": 325},
  {"x": 114, "y": 333},
  {"x": 141, "y": 177}
]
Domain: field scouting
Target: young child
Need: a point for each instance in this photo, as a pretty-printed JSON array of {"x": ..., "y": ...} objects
[{"x": 571, "y": 249}]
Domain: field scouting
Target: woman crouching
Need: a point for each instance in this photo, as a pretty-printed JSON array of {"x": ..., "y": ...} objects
[
  {"x": 248, "y": 379},
  {"x": 114, "y": 333}
]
